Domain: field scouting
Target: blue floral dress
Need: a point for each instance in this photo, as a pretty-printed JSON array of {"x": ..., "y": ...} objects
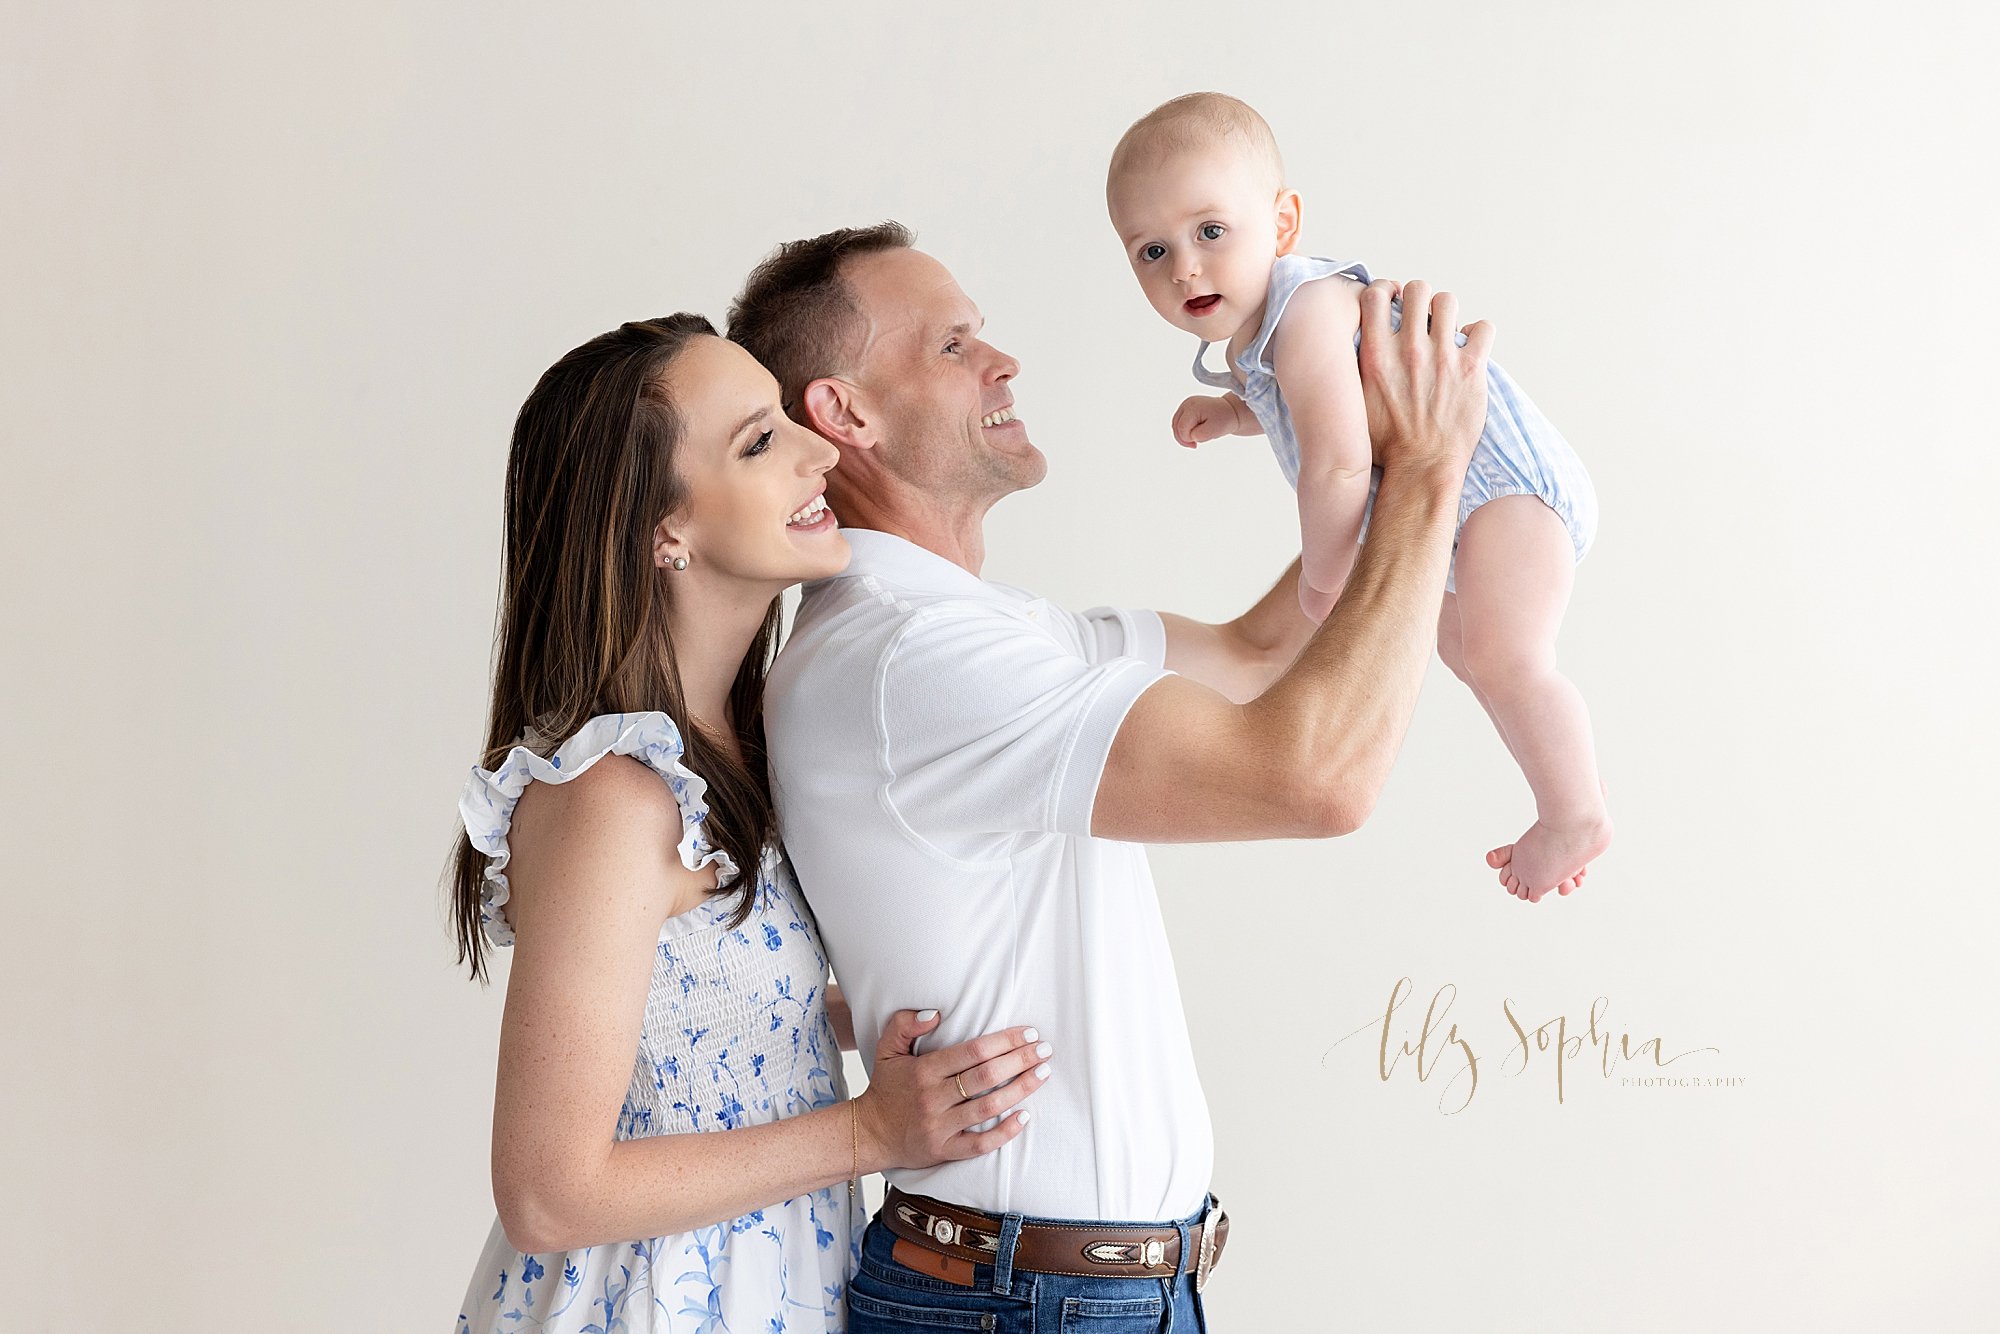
[{"x": 736, "y": 1033}]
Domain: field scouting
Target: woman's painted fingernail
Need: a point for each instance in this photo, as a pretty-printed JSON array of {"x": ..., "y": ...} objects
[
  {"x": 1041, "y": 1072},
  {"x": 925, "y": 1016},
  {"x": 1022, "y": 1117},
  {"x": 1029, "y": 1034},
  {"x": 1045, "y": 1050}
]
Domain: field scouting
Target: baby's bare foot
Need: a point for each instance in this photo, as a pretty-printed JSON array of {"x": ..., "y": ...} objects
[{"x": 1550, "y": 857}]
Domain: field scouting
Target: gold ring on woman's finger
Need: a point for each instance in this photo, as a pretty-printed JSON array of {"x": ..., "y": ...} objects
[{"x": 963, "y": 1096}]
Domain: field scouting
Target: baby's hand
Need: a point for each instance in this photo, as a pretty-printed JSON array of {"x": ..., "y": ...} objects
[{"x": 1204, "y": 417}]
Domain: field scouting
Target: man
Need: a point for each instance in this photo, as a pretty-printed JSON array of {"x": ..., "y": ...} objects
[{"x": 966, "y": 774}]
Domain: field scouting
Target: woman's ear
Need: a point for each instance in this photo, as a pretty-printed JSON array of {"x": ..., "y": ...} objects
[
  {"x": 1291, "y": 219},
  {"x": 837, "y": 410},
  {"x": 670, "y": 545}
]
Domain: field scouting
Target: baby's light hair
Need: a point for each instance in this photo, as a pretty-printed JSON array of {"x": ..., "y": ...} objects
[{"x": 1195, "y": 121}]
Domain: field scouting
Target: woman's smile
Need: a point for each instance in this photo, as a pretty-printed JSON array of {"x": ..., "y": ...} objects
[{"x": 813, "y": 517}]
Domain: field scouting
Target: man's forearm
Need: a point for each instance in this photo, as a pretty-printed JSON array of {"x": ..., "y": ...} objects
[
  {"x": 842, "y": 1017},
  {"x": 1241, "y": 658},
  {"x": 1345, "y": 704},
  {"x": 1274, "y": 630},
  {"x": 1308, "y": 757}
]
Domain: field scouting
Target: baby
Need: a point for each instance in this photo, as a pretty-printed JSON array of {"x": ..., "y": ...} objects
[{"x": 1197, "y": 194}]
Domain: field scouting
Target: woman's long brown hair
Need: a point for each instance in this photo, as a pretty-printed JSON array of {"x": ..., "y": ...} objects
[{"x": 583, "y": 609}]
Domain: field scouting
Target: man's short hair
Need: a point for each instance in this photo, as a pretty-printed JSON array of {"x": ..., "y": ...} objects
[{"x": 797, "y": 313}]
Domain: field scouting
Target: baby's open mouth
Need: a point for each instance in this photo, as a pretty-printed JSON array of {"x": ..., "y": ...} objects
[{"x": 1201, "y": 305}]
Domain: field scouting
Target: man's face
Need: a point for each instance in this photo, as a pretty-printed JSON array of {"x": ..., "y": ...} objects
[{"x": 943, "y": 396}]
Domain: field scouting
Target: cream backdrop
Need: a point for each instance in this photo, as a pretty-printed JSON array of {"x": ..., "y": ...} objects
[{"x": 277, "y": 277}]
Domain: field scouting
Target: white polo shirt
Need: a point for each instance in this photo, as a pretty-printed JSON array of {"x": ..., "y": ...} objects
[{"x": 936, "y": 743}]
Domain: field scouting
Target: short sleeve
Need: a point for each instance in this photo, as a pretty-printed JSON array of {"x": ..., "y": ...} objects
[
  {"x": 487, "y": 804},
  {"x": 991, "y": 726},
  {"x": 1114, "y": 632}
]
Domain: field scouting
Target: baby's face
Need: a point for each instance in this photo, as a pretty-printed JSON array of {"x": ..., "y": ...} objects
[{"x": 1201, "y": 231}]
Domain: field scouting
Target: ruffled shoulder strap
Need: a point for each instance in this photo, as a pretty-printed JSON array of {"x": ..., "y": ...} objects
[{"x": 487, "y": 805}]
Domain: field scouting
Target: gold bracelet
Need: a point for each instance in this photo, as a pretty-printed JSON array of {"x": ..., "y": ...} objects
[{"x": 854, "y": 1120}]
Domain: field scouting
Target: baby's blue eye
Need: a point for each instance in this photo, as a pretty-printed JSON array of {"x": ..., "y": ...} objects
[
  {"x": 1152, "y": 252},
  {"x": 1211, "y": 231}
]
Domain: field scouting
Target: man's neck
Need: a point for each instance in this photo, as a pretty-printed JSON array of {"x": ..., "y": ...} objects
[{"x": 959, "y": 536}]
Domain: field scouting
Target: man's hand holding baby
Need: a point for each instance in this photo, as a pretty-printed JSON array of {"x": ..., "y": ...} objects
[{"x": 1426, "y": 393}]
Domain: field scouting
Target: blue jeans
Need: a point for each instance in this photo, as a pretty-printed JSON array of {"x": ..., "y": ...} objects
[{"x": 887, "y": 1297}]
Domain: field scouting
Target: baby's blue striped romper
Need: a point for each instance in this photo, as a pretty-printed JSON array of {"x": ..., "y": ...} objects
[{"x": 1519, "y": 453}]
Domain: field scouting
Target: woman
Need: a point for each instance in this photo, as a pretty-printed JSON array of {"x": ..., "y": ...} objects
[{"x": 667, "y": 976}]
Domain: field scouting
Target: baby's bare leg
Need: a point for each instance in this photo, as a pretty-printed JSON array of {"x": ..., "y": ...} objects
[
  {"x": 1451, "y": 649},
  {"x": 1514, "y": 573}
]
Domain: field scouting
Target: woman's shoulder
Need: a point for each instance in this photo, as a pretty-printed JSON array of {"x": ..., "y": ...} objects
[
  {"x": 617, "y": 790},
  {"x": 607, "y": 834},
  {"x": 617, "y": 785}
]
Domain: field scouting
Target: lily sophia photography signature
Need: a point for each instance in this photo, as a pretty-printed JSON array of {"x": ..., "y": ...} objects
[{"x": 1442, "y": 1042}]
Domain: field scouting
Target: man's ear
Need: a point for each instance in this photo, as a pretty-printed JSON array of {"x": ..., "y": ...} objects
[
  {"x": 836, "y": 409},
  {"x": 1291, "y": 219}
]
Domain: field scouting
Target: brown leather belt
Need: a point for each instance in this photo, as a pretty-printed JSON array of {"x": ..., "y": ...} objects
[{"x": 1076, "y": 1250}]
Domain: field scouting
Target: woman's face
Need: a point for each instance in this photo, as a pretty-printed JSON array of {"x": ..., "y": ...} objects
[{"x": 755, "y": 479}]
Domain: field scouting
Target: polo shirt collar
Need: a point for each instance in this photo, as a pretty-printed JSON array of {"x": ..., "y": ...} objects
[{"x": 902, "y": 562}]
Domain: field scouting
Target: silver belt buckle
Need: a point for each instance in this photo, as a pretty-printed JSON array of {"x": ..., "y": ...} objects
[{"x": 1205, "y": 1258}]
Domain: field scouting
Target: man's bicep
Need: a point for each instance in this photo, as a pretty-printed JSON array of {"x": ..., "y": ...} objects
[
  {"x": 1189, "y": 766},
  {"x": 1221, "y": 657}
]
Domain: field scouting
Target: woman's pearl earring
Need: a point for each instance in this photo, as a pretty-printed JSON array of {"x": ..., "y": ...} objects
[{"x": 680, "y": 562}]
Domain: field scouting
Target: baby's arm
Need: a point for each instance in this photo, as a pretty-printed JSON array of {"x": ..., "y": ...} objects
[
  {"x": 1312, "y": 353},
  {"x": 1206, "y": 416}
]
